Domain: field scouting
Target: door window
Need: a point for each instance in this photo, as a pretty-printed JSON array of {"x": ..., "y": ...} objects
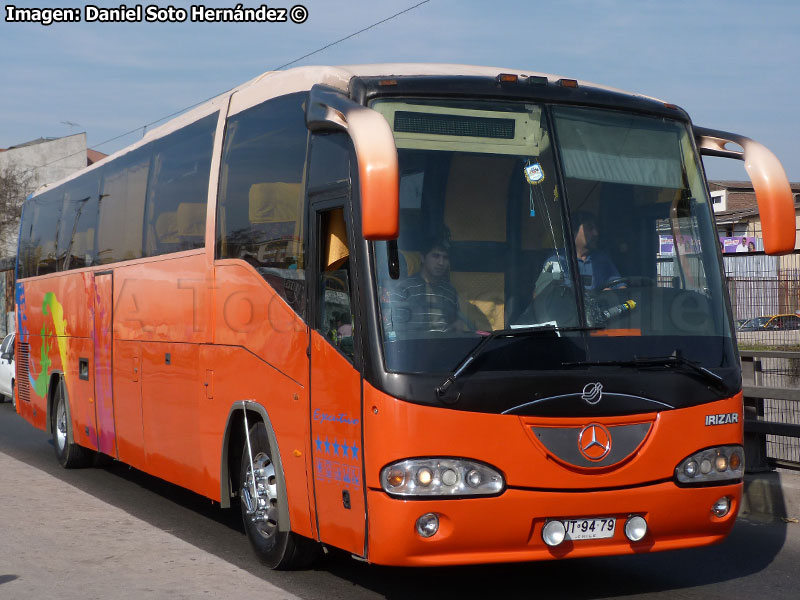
[{"x": 335, "y": 315}]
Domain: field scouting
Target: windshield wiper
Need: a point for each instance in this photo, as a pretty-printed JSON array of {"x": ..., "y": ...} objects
[
  {"x": 548, "y": 329},
  {"x": 648, "y": 362}
]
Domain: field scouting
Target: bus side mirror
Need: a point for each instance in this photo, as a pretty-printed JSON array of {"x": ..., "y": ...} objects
[
  {"x": 378, "y": 172},
  {"x": 773, "y": 193}
]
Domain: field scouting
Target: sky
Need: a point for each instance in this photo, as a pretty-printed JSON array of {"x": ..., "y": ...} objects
[{"x": 733, "y": 65}]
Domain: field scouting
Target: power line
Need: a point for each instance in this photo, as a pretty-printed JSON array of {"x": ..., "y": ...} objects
[
  {"x": 410, "y": 8},
  {"x": 144, "y": 127}
]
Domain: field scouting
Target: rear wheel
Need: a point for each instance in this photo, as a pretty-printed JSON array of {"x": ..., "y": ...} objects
[
  {"x": 260, "y": 497},
  {"x": 69, "y": 454}
]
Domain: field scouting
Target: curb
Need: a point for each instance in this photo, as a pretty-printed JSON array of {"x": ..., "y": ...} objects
[{"x": 775, "y": 494}]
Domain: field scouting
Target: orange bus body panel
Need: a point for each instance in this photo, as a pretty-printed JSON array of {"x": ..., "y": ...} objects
[
  {"x": 128, "y": 403},
  {"x": 250, "y": 314},
  {"x": 167, "y": 423},
  {"x": 56, "y": 321},
  {"x": 336, "y": 444},
  {"x": 539, "y": 486},
  {"x": 259, "y": 354},
  {"x": 241, "y": 375}
]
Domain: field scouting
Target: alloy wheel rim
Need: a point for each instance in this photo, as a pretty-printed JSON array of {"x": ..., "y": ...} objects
[
  {"x": 61, "y": 425},
  {"x": 262, "y": 508}
]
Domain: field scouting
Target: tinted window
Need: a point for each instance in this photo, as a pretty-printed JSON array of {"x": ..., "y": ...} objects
[
  {"x": 25, "y": 257},
  {"x": 177, "y": 195},
  {"x": 260, "y": 216},
  {"x": 46, "y": 215},
  {"x": 122, "y": 207},
  {"x": 330, "y": 164},
  {"x": 76, "y": 239}
]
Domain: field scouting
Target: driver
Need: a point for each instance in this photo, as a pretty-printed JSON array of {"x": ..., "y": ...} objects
[
  {"x": 594, "y": 266},
  {"x": 431, "y": 298}
]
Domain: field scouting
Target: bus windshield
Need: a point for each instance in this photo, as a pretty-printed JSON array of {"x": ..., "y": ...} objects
[{"x": 592, "y": 223}]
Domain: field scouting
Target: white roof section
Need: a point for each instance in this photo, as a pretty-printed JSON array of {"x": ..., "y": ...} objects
[{"x": 272, "y": 84}]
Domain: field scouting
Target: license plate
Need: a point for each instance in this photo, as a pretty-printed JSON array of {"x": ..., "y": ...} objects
[{"x": 590, "y": 529}]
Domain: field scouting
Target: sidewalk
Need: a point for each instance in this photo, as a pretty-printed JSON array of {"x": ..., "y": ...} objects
[{"x": 82, "y": 548}]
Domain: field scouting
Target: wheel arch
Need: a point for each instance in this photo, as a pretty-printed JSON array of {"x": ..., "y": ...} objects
[{"x": 232, "y": 455}]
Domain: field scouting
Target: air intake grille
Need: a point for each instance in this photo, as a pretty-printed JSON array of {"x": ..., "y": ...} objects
[
  {"x": 23, "y": 385},
  {"x": 458, "y": 125}
]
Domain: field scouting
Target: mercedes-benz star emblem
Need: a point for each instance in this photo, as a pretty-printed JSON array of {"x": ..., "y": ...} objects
[
  {"x": 594, "y": 442},
  {"x": 592, "y": 392}
]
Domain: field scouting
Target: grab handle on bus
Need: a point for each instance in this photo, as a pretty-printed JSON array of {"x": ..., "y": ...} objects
[
  {"x": 376, "y": 153},
  {"x": 773, "y": 192}
]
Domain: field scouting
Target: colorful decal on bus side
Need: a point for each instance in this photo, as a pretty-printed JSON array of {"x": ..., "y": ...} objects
[
  {"x": 335, "y": 470},
  {"x": 54, "y": 327},
  {"x": 101, "y": 336},
  {"x": 22, "y": 328}
]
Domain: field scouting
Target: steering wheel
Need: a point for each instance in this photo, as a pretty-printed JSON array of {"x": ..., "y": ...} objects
[{"x": 629, "y": 281}]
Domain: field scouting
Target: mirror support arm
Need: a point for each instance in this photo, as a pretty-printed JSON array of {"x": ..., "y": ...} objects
[
  {"x": 773, "y": 192},
  {"x": 330, "y": 110}
]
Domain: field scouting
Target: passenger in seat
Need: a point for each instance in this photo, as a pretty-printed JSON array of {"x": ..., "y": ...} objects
[{"x": 431, "y": 298}]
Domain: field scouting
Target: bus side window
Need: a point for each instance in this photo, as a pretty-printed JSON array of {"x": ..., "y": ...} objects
[
  {"x": 79, "y": 222},
  {"x": 45, "y": 227},
  {"x": 122, "y": 208},
  {"x": 177, "y": 183},
  {"x": 261, "y": 201}
]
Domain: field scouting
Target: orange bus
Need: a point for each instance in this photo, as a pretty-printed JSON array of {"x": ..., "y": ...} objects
[{"x": 415, "y": 312}]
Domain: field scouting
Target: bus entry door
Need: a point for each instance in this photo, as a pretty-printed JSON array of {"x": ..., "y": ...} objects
[
  {"x": 335, "y": 382},
  {"x": 103, "y": 341}
]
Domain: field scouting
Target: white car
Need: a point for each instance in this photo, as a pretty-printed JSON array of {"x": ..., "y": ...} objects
[{"x": 7, "y": 374}]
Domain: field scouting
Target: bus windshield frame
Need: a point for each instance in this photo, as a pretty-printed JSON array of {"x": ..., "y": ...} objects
[{"x": 611, "y": 189}]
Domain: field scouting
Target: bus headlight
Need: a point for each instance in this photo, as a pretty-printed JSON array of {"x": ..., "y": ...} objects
[
  {"x": 721, "y": 463},
  {"x": 451, "y": 477}
]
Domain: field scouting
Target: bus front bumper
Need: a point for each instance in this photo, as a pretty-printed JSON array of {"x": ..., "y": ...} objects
[{"x": 508, "y": 528}]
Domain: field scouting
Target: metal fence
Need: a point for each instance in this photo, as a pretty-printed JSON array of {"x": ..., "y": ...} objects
[
  {"x": 766, "y": 291},
  {"x": 765, "y": 298}
]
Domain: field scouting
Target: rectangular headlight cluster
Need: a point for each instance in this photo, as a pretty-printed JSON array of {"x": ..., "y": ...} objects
[
  {"x": 451, "y": 477},
  {"x": 722, "y": 463}
]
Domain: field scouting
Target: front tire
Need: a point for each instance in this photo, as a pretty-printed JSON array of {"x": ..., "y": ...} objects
[
  {"x": 280, "y": 550},
  {"x": 13, "y": 396},
  {"x": 69, "y": 454}
]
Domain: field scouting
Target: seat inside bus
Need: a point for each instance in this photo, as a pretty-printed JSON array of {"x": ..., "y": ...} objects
[
  {"x": 274, "y": 210},
  {"x": 479, "y": 191},
  {"x": 82, "y": 249},
  {"x": 167, "y": 230},
  {"x": 191, "y": 219}
]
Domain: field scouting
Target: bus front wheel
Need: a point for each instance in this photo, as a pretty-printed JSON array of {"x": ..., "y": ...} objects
[
  {"x": 69, "y": 454},
  {"x": 259, "y": 494}
]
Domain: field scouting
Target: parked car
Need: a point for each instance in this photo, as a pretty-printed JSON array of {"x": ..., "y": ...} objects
[
  {"x": 771, "y": 323},
  {"x": 7, "y": 373}
]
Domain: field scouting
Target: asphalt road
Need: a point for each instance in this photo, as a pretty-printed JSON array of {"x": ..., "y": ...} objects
[{"x": 758, "y": 559}]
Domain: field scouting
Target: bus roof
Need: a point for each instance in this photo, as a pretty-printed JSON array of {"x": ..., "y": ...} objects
[{"x": 277, "y": 83}]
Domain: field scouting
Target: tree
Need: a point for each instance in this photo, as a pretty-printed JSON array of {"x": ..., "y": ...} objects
[{"x": 14, "y": 186}]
